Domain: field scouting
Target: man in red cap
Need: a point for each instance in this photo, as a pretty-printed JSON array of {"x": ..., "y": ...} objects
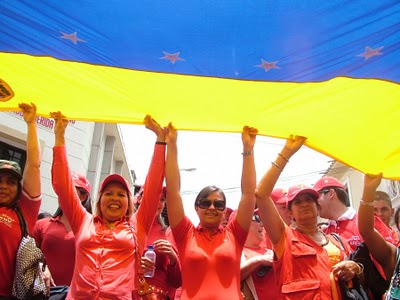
[{"x": 342, "y": 218}]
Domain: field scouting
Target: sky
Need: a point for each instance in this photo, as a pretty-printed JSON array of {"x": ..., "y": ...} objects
[{"x": 214, "y": 158}]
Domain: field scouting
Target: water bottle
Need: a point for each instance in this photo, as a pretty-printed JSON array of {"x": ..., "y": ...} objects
[{"x": 152, "y": 256}]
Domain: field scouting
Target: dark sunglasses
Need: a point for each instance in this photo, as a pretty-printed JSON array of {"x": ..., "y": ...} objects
[
  {"x": 205, "y": 203},
  {"x": 256, "y": 218},
  {"x": 323, "y": 192}
]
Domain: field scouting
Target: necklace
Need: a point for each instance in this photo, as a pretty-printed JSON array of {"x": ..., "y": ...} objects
[{"x": 110, "y": 225}]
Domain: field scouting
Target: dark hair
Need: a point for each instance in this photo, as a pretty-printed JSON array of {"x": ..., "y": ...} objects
[
  {"x": 397, "y": 217},
  {"x": 87, "y": 204},
  {"x": 341, "y": 194},
  {"x": 205, "y": 192},
  {"x": 381, "y": 195},
  {"x": 43, "y": 215}
]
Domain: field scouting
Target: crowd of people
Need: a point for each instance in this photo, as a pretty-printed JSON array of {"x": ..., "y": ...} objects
[{"x": 272, "y": 246}]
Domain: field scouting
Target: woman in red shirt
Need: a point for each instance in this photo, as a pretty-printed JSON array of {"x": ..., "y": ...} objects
[
  {"x": 167, "y": 272},
  {"x": 304, "y": 257},
  {"x": 55, "y": 238},
  {"x": 14, "y": 191},
  {"x": 209, "y": 253}
]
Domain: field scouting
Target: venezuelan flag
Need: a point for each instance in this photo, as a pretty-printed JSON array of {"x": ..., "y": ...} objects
[{"x": 326, "y": 70}]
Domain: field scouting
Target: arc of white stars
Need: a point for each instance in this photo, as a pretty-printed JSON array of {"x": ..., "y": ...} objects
[
  {"x": 72, "y": 37},
  {"x": 370, "y": 52}
]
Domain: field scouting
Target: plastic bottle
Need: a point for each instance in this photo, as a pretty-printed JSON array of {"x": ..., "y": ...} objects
[{"x": 152, "y": 256}]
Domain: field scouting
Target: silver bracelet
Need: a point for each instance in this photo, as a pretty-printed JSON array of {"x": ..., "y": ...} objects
[
  {"x": 276, "y": 165},
  {"x": 248, "y": 152},
  {"x": 367, "y": 203}
]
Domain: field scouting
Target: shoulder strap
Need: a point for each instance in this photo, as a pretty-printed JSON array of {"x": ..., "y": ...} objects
[
  {"x": 339, "y": 240},
  {"x": 22, "y": 222}
]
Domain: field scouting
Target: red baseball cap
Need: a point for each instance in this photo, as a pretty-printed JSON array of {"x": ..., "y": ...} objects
[
  {"x": 279, "y": 195},
  {"x": 80, "y": 181},
  {"x": 328, "y": 181},
  {"x": 298, "y": 189},
  {"x": 115, "y": 178}
]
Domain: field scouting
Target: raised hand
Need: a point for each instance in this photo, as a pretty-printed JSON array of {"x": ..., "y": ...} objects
[
  {"x": 249, "y": 138},
  {"x": 292, "y": 145},
  {"x": 29, "y": 112},
  {"x": 59, "y": 128},
  {"x": 152, "y": 125},
  {"x": 171, "y": 134}
]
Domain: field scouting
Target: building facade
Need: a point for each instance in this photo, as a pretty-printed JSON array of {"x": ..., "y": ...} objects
[{"x": 94, "y": 150}]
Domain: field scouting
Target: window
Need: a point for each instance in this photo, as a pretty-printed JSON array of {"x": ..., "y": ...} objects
[{"x": 13, "y": 153}]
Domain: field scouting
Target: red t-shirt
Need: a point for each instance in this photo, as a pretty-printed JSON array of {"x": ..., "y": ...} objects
[
  {"x": 210, "y": 267},
  {"x": 165, "y": 276},
  {"x": 58, "y": 246},
  {"x": 266, "y": 285},
  {"x": 10, "y": 238}
]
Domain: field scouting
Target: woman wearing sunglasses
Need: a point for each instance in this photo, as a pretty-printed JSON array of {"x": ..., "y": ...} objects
[
  {"x": 209, "y": 253},
  {"x": 258, "y": 280},
  {"x": 305, "y": 258},
  {"x": 55, "y": 238}
]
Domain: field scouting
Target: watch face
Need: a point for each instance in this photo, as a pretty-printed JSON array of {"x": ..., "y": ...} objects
[{"x": 262, "y": 271}]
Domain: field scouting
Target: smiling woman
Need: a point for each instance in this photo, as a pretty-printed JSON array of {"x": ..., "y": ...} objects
[
  {"x": 210, "y": 249},
  {"x": 107, "y": 241}
]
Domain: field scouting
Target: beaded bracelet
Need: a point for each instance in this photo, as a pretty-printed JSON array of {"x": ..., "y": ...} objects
[
  {"x": 367, "y": 203},
  {"x": 281, "y": 155},
  {"x": 276, "y": 165},
  {"x": 248, "y": 152}
]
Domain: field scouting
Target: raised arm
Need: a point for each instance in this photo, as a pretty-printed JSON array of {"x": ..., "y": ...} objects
[
  {"x": 32, "y": 181},
  {"x": 153, "y": 184},
  {"x": 248, "y": 184},
  {"x": 61, "y": 176},
  {"x": 173, "y": 179},
  {"x": 384, "y": 252},
  {"x": 273, "y": 223}
]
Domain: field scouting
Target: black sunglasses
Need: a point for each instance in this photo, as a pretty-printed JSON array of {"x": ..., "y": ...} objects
[
  {"x": 256, "y": 218},
  {"x": 323, "y": 192},
  {"x": 205, "y": 203}
]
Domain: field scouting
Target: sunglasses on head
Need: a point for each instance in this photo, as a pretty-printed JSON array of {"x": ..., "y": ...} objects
[
  {"x": 205, "y": 203},
  {"x": 256, "y": 218}
]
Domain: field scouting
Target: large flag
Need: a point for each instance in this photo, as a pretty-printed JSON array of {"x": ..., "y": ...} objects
[{"x": 326, "y": 70}]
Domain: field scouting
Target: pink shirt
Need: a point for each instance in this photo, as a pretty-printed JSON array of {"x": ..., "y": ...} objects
[
  {"x": 105, "y": 259},
  {"x": 10, "y": 237},
  {"x": 58, "y": 246},
  {"x": 210, "y": 267}
]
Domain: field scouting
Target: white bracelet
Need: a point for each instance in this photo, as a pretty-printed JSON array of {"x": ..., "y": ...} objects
[{"x": 367, "y": 203}]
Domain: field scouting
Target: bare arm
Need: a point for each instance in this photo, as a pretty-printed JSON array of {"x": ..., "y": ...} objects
[
  {"x": 32, "y": 181},
  {"x": 173, "y": 179},
  {"x": 376, "y": 244},
  {"x": 248, "y": 184},
  {"x": 253, "y": 263},
  {"x": 270, "y": 217}
]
